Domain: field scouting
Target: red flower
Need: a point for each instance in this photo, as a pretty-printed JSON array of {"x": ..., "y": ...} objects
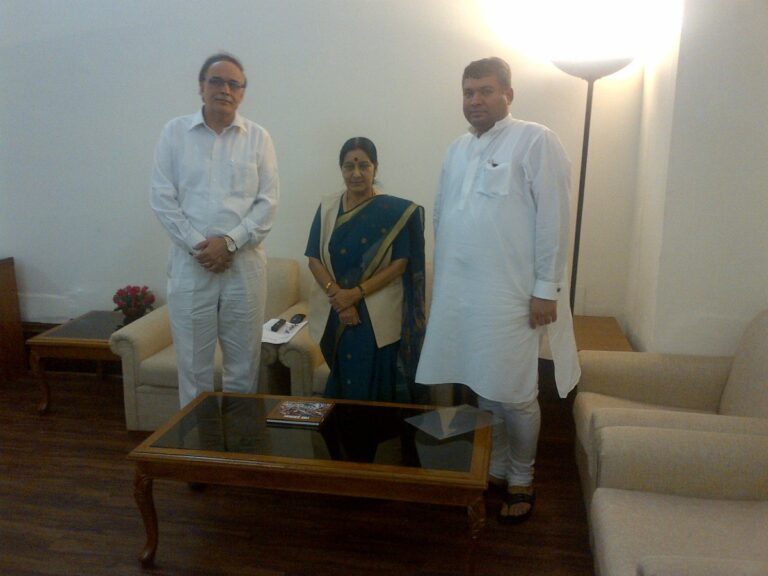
[{"x": 134, "y": 300}]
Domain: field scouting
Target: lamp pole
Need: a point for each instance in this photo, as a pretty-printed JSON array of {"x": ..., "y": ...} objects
[
  {"x": 582, "y": 181},
  {"x": 591, "y": 71}
]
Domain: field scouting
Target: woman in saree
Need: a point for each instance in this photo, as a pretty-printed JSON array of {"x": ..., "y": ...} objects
[{"x": 366, "y": 253}]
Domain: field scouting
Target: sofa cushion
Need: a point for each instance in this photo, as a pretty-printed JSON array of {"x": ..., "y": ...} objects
[
  {"x": 283, "y": 286},
  {"x": 587, "y": 404},
  {"x": 689, "y": 566},
  {"x": 629, "y": 525},
  {"x": 746, "y": 392},
  {"x": 160, "y": 369}
]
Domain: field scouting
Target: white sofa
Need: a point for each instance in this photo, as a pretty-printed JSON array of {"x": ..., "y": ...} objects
[
  {"x": 715, "y": 394},
  {"x": 676, "y": 502},
  {"x": 150, "y": 377},
  {"x": 672, "y": 452}
]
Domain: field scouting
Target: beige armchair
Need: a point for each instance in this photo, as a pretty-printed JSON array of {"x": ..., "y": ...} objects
[
  {"x": 150, "y": 378},
  {"x": 679, "y": 502},
  {"x": 687, "y": 393}
]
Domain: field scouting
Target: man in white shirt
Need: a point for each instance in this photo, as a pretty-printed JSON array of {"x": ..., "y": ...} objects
[
  {"x": 215, "y": 190},
  {"x": 501, "y": 222}
]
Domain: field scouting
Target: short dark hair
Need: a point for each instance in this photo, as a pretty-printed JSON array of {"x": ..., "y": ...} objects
[
  {"x": 221, "y": 57},
  {"x": 493, "y": 66},
  {"x": 359, "y": 143}
]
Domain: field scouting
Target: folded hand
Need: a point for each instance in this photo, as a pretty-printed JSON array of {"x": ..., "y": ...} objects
[{"x": 349, "y": 316}]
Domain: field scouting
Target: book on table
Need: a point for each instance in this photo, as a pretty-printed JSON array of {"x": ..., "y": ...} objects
[{"x": 299, "y": 413}]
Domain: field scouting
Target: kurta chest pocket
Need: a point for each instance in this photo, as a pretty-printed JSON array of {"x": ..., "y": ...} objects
[
  {"x": 244, "y": 178},
  {"x": 495, "y": 179}
]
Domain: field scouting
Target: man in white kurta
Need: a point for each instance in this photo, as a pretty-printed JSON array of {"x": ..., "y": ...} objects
[
  {"x": 215, "y": 190},
  {"x": 501, "y": 221}
]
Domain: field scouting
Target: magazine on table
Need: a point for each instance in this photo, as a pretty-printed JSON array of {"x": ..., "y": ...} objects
[{"x": 299, "y": 412}]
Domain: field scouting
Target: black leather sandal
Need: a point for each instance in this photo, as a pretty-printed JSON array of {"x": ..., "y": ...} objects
[{"x": 517, "y": 498}]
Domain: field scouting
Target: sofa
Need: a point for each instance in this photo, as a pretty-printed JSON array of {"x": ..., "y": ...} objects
[
  {"x": 679, "y": 502},
  {"x": 685, "y": 392},
  {"x": 150, "y": 377},
  {"x": 672, "y": 451}
]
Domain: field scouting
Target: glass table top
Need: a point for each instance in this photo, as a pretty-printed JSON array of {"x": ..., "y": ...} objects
[
  {"x": 351, "y": 432},
  {"x": 95, "y": 325}
]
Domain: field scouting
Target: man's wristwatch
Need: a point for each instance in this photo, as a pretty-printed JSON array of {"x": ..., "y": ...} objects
[{"x": 231, "y": 246}]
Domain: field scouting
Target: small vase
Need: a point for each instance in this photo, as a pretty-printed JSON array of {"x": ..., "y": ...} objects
[{"x": 131, "y": 315}]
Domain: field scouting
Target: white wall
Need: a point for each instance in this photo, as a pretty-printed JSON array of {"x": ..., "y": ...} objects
[
  {"x": 712, "y": 266},
  {"x": 650, "y": 201},
  {"x": 88, "y": 84}
]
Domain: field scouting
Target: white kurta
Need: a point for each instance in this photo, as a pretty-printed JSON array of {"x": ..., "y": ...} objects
[{"x": 501, "y": 236}]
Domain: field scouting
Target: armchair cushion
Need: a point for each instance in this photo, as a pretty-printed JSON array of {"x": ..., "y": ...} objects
[
  {"x": 606, "y": 418},
  {"x": 588, "y": 406},
  {"x": 160, "y": 369},
  {"x": 696, "y": 566},
  {"x": 690, "y": 463},
  {"x": 629, "y": 525}
]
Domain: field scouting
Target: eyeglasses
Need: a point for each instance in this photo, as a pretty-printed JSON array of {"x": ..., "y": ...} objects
[{"x": 217, "y": 82}]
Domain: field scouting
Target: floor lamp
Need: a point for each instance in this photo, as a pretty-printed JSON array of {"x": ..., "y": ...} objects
[{"x": 590, "y": 71}]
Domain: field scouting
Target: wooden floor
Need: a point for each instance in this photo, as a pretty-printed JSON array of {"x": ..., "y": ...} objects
[{"x": 66, "y": 507}]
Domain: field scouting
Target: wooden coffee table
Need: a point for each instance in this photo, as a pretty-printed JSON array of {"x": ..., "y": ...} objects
[
  {"x": 84, "y": 338},
  {"x": 363, "y": 449}
]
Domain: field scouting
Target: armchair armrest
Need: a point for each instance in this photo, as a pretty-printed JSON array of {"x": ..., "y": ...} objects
[
  {"x": 301, "y": 355},
  {"x": 133, "y": 343},
  {"x": 144, "y": 337},
  {"x": 683, "y": 462},
  {"x": 679, "y": 381}
]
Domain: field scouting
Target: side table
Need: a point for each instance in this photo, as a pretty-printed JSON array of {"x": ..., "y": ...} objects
[
  {"x": 83, "y": 338},
  {"x": 600, "y": 333}
]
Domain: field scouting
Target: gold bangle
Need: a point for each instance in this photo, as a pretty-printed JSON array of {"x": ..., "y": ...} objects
[
  {"x": 362, "y": 290},
  {"x": 330, "y": 282}
]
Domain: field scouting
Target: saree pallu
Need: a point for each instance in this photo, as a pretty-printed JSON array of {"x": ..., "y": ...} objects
[{"x": 363, "y": 241}]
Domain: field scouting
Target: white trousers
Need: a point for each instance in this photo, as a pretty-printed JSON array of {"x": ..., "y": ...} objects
[
  {"x": 206, "y": 308},
  {"x": 514, "y": 440}
]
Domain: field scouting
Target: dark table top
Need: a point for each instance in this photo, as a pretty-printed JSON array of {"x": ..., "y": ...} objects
[{"x": 96, "y": 325}]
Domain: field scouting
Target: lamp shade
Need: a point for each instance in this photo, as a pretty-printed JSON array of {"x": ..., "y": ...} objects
[{"x": 591, "y": 70}]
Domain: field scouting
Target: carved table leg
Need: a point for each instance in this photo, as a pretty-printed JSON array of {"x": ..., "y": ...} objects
[
  {"x": 142, "y": 492},
  {"x": 39, "y": 372},
  {"x": 476, "y": 517}
]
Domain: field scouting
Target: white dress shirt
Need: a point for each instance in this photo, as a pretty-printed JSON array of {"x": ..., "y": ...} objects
[{"x": 206, "y": 184}]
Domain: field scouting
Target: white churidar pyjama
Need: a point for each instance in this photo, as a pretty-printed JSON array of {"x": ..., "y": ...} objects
[{"x": 515, "y": 439}]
